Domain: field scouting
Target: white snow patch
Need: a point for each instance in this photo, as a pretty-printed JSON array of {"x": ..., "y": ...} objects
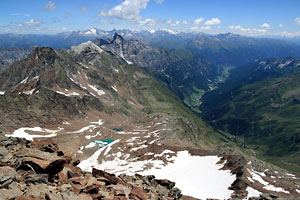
[
  {"x": 257, "y": 176},
  {"x": 99, "y": 92},
  {"x": 24, "y": 81},
  {"x": 21, "y": 133},
  {"x": 282, "y": 65},
  {"x": 164, "y": 152},
  {"x": 84, "y": 129},
  {"x": 252, "y": 192},
  {"x": 297, "y": 190},
  {"x": 99, "y": 123},
  {"x": 30, "y": 92},
  {"x": 92, "y": 162},
  {"x": 139, "y": 147},
  {"x": 132, "y": 139},
  {"x": 114, "y": 88},
  {"x": 149, "y": 154},
  {"x": 276, "y": 189},
  {"x": 92, "y": 136},
  {"x": 185, "y": 171},
  {"x": 91, "y": 145},
  {"x": 2, "y": 92}
]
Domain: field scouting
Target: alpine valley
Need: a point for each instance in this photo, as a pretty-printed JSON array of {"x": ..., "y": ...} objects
[{"x": 148, "y": 115}]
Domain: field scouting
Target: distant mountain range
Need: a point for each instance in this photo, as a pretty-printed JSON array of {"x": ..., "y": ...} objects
[{"x": 221, "y": 49}]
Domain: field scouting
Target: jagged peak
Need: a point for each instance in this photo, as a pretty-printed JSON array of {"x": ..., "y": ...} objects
[
  {"x": 117, "y": 38},
  {"x": 78, "y": 49}
]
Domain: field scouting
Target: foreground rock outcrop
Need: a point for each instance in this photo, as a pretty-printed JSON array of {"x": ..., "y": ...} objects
[{"x": 38, "y": 170}]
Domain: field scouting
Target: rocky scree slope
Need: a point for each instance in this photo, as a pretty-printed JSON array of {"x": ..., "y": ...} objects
[{"x": 39, "y": 170}]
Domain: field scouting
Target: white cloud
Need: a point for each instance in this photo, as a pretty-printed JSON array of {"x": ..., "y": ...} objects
[
  {"x": 249, "y": 31},
  {"x": 67, "y": 15},
  {"x": 212, "y": 21},
  {"x": 202, "y": 28},
  {"x": 205, "y": 28},
  {"x": 172, "y": 23},
  {"x": 198, "y": 21},
  {"x": 20, "y": 14},
  {"x": 266, "y": 26},
  {"x": 159, "y": 1},
  {"x": 185, "y": 22},
  {"x": 194, "y": 28},
  {"x": 31, "y": 22},
  {"x": 127, "y": 10},
  {"x": 148, "y": 22},
  {"x": 280, "y": 25},
  {"x": 297, "y": 20},
  {"x": 50, "y": 6},
  {"x": 237, "y": 27},
  {"x": 83, "y": 9}
]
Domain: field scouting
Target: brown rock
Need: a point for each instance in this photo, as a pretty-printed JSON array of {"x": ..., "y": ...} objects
[
  {"x": 92, "y": 189},
  {"x": 47, "y": 145},
  {"x": 138, "y": 192},
  {"x": 110, "y": 177},
  {"x": 68, "y": 156},
  {"x": 40, "y": 162},
  {"x": 62, "y": 175},
  {"x": 7, "y": 175},
  {"x": 166, "y": 183}
]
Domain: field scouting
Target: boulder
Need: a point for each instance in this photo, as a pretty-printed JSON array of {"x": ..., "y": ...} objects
[{"x": 110, "y": 177}]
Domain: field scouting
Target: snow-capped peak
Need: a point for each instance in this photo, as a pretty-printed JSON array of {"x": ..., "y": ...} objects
[{"x": 170, "y": 31}]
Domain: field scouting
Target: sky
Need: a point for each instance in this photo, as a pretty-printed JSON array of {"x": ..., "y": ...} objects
[{"x": 245, "y": 17}]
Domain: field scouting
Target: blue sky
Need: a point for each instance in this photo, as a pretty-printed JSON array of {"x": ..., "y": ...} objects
[{"x": 246, "y": 17}]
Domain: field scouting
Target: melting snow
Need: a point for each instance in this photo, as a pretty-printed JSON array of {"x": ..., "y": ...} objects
[
  {"x": 282, "y": 65},
  {"x": 21, "y": 133},
  {"x": 252, "y": 192},
  {"x": 92, "y": 136},
  {"x": 24, "y": 81},
  {"x": 139, "y": 147},
  {"x": 257, "y": 176},
  {"x": 99, "y": 92},
  {"x": 70, "y": 94},
  {"x": 92, "y": 161},
  {"x": 114, "y": 88},
  {"x": 2, "y": 92},
  {"x": 186, "y": 171},
  {"x": 90, "y": 128},
  {"x": 30, "y": 92},
  {"x": 276, "y": 189}
]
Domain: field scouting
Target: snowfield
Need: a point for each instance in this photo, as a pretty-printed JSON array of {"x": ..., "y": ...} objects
[
  {"x": 21, "y": 133},
  {"x": 196, "y": 176}
]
